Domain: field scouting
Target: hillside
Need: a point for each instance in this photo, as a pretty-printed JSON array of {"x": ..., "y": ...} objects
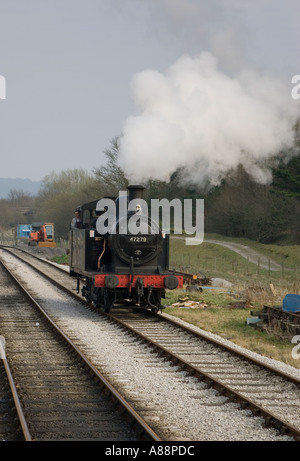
[{"x": 26, "y": 185}]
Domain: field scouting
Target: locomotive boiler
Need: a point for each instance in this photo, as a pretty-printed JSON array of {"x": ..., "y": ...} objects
[{"x": 121, "y": 254}]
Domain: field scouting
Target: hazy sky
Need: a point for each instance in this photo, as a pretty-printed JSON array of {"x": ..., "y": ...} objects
[{"x": 68, "y": 66}]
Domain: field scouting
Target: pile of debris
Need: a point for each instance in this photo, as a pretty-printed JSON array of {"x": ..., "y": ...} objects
[{"x": 186, "y": 303}]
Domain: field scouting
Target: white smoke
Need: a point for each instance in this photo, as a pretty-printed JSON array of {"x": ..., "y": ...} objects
[{"x": 197, "y": 118}]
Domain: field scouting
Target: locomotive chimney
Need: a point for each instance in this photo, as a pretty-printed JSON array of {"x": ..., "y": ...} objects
[{"x": 135, "y": 192}]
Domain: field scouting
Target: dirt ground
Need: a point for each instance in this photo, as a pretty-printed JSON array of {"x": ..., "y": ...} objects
[{"x": 45, "y": 252}]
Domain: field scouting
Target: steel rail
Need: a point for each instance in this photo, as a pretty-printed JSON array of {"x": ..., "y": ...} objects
[
  {"x": 113, "y": 391},
  {"x": 16, "y": 399}
]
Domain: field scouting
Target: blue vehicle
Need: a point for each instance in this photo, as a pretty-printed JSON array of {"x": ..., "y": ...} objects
[{"x": 23, "y": 230}]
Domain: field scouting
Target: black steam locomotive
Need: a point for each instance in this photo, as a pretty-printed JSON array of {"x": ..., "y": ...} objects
[{"x": 121, "y": 256}]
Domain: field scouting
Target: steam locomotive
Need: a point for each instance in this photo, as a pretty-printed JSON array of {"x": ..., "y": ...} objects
[{"x": 123, "y": 256}]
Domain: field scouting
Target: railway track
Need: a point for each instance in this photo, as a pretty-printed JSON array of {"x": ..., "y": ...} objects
[
  {"x": 265, "y": 392},
  {"x": 58, "y": 393}
]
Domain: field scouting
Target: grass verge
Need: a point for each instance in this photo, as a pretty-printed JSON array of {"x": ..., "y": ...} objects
[{"x": 63, "y": 259}]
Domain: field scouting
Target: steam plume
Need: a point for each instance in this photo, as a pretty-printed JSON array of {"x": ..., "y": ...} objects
[{"x": 197, "y": 118}]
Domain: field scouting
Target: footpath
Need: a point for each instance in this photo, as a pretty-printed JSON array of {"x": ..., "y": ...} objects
[{"x": 252, "y": 255}]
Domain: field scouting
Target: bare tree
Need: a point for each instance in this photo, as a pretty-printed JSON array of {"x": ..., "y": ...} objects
[
  {"x": 111, "y": 176},
  {"x": 61, "y": 193}
]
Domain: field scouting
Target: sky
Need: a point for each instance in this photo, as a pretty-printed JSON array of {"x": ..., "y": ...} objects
[{"x": 180, "y": 80}]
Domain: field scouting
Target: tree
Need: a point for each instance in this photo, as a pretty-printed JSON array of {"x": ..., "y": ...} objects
[
  {"x": 16, "y": 209},
  {"x": 286, "y": 177},
  {"x": 286, "y": 184},
  {"x": 240, "y": 207},
  {"x": 111, "y": 176},
  {"x": 61, "y": 193}
]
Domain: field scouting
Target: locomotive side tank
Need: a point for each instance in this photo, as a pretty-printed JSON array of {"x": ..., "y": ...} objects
[{"x": 117, "y": 263}]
